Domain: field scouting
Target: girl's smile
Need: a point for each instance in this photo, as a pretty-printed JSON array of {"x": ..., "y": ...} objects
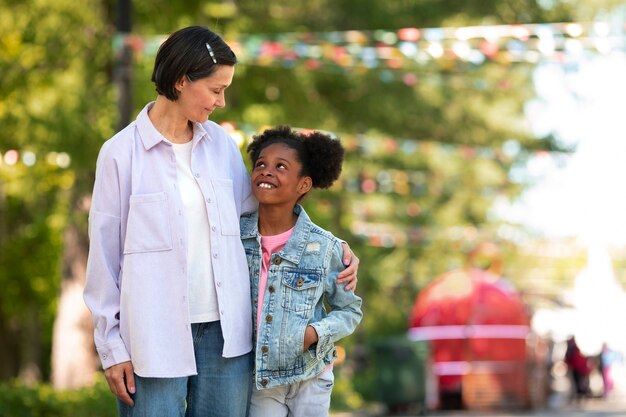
[{"x": 277, "y": 177}]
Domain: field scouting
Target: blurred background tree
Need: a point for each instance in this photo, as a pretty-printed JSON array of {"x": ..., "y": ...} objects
[
  {"x": 58, "y": 101},
  {"x": 56, "y": 106}
]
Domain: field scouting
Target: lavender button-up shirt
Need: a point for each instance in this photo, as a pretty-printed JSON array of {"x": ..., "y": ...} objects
[{"x": 137, "y": 268}]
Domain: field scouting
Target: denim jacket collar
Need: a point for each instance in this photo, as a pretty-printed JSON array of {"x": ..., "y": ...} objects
[{"x": 295, "y": 247}]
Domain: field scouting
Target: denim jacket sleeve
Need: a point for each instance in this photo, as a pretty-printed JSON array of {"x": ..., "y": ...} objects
[{"x": 345, "y": 307}]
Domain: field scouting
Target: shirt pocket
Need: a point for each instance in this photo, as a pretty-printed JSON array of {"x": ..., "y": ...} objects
[
  {"x": 148, "y": 228},
  {"x": 225, "y": 196},
  {"x": 300, "y": 289}
]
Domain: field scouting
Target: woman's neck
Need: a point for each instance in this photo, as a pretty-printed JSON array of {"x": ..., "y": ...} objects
[
  {"x": 274, "y": 220},
  {"x": 166, "y": 118}
]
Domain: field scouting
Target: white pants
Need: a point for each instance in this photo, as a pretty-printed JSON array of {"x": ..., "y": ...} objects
[{"x": 309, "y": 398}]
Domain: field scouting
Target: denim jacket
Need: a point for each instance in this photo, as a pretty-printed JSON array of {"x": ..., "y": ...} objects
[{"x": 300, "y": 277}]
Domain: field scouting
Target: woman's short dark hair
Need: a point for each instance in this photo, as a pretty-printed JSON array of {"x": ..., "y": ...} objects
[{"x": 187, "y": 52}]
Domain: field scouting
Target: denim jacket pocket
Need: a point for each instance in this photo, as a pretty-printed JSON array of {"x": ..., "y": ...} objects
[
  {"x": 148, "y": 227},
  {"x": 300, "y": 288}
]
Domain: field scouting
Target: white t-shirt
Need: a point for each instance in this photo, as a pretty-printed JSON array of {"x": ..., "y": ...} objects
[{"x": 203, "y": 305}]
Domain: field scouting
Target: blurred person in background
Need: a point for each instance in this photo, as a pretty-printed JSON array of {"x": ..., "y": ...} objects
[
  {"x": 578, "y": 365},
  {"x": 167, "y": 279},
  {"x": 608, "y": 358}
]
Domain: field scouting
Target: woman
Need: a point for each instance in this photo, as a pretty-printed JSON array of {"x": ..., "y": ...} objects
[{"x": 167, "y": 280}]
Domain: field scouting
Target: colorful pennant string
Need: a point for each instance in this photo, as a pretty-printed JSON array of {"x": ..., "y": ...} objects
[{"x": 407, "y": 48}]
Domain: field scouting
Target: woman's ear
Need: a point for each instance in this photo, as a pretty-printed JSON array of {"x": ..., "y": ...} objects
[
  {"x": 305, "y": 185},
  {"x": 181, "y": 83}
]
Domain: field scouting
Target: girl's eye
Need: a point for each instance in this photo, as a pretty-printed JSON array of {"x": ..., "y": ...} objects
[
  {"x": 259, "y": 165},
  {"x": 281, "y": 166}
]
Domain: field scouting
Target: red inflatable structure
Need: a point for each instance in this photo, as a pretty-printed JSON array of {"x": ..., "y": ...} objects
[{"x": 477, "y": 326}]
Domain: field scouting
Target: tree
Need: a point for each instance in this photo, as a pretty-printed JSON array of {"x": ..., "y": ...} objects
[{"x": 55, "y": 110}]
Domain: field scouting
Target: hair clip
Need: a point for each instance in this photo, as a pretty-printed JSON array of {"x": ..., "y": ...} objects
[{"x": 208, "y": 47}]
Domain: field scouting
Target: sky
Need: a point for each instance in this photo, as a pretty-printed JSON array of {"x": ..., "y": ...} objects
[{"x": 581, "y": 195}]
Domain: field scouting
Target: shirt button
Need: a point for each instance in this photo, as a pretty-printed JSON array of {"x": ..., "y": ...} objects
[
  {"x": 208, "y": 200},
  {"x": 180, "y": 212},
  {"x": 215, "y": 255},
  {"x": 184, "y": 299},
  {"x": 270, "y": 288},
  {"x": 264, "y": 349},
  {"x": 213, "y": 228},
  {"x": 300, "y": 282},
  {"x": 219, "y": 283},
  {"x": 197, "y": 175},
  {"x": 268, "y": 318},
  {"x": 277, "y": 260},
  {"x": 104, "y": 356},
  {"x": 264, "y": 382}
]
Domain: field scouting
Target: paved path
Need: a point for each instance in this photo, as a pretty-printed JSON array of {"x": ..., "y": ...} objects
[{"x": 613, "y": 407}]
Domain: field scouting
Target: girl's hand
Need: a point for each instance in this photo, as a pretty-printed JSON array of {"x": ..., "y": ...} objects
[
  {"x": 310, "y": 337},
  {"x": 348, "y": 276}
]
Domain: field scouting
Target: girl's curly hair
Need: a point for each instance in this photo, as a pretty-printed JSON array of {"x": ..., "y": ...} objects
[{"x": 321, "y": 156}]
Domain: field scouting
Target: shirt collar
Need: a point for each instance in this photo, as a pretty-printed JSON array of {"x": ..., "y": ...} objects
[
  {"x": 150, "y": 136},
  {"x": 295, "y": 247}
]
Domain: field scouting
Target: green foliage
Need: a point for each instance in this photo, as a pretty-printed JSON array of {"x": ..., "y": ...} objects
[
  {"x": 19, "y": 400},
  {"x": 343, "y": 397},
  {"x": 43, "y": 401},
  {"x": 56, "y": 107},
  {"x": 286, "y": 15},
  {"x": 33, "y": 214},
  {"x": 393, "y": 371}
]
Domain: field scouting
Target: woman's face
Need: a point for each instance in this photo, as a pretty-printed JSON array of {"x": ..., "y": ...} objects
[{"x": 201, "y": 97}]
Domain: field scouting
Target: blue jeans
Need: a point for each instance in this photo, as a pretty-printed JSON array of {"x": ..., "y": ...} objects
[{"x": 221, "y": 388}]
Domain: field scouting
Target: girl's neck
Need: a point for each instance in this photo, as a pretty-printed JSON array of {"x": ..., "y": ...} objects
[
  {"x": 169, "y": 122},
  {"x": 274, "y": 220}
]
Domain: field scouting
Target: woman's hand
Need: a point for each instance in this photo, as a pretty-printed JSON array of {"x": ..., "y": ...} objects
[
  {"x": 310, "y": 337},
  {"x": 121, "y": 380},
  {"x": 348, "y": 276}
]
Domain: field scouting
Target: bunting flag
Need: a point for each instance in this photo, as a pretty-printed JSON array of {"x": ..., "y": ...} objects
[
  {"x": 378, "y": 179},
  {"x": 448, "y": 48},
  {"x": 368, "y": 146},
  {"x": 28, "y": 158},
  {"x": 371, "y": 145},
  {"x": 404, "y": 179}
]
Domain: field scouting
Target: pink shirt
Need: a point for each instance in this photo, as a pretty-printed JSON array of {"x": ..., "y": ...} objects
[{"x": 269, "y": 245}]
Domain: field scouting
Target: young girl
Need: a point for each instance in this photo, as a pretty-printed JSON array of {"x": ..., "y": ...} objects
[{"x": 293, "y": 268}]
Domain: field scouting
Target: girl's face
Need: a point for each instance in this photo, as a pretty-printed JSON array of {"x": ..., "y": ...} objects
[
  {"x": 201, "y": 97},
  {"x": 276, "y": 176}
]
